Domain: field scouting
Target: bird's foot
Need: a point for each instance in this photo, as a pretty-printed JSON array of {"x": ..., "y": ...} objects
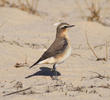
[{"x": 54, "y": 75}]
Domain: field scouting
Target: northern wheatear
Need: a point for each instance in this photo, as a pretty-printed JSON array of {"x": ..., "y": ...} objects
[{"x": 59, "y": 50}]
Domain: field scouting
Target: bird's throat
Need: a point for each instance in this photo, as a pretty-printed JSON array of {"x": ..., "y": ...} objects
[{"x": 64, "y": 34}]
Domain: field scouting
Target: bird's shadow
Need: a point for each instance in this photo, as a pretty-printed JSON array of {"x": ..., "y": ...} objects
[{"x": 44, "y": 71}]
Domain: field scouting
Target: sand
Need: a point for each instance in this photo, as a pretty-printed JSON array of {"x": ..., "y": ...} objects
[{"x": 23, "y": 39}]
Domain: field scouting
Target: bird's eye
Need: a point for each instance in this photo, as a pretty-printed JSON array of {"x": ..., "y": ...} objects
[{"x": 64, "y": 27}]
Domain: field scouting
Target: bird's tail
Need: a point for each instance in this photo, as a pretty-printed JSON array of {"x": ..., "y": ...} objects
[{"x": 34, "y": 64}]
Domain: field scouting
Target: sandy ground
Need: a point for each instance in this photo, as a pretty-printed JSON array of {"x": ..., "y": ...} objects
[{"x": 24, "y": 37}]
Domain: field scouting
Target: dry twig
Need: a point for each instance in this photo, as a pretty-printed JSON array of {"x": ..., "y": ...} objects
[
  {"x": 97, "y": 58},
  {"x": 90, "y": 46},
  {"x": 17, "y": 91},
  {"x": 100, "y": 76}
]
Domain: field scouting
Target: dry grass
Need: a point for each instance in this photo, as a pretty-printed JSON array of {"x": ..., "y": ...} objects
[
  {"x": 95, "y": 13},
  {"x": 94, "y": 9},
  {"x": 4, "y": 2},
  {"x": 30, "y": 7},
  {"x": 94, "y": 53},
  {"x": 100, "y": 76}
]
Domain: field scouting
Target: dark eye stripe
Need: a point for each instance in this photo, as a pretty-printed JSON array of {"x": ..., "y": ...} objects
[{"x": 63, "y": 27}]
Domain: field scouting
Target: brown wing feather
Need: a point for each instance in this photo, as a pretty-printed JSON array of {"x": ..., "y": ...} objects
[{"x": 57, "y": 47}]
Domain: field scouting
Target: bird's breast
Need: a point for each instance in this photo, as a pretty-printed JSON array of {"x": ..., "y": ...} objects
[{"x": 64, "y": 55}]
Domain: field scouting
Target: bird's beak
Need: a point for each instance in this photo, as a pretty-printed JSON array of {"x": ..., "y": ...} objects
[{"x": 70, "y": 26}]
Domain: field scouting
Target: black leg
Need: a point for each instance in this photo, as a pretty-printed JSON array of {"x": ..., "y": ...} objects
[
  {"x": 54, "y": 67},
  {"x": 54, "y": 72}
]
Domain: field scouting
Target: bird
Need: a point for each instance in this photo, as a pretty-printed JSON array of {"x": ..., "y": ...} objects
[{"x": 59, "y": 50}]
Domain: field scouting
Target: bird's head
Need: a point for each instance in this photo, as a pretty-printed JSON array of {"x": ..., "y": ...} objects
[{"x": 63, "y": 27}]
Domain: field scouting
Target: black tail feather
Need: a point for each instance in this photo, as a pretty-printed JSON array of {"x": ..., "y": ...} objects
[{"x": 34, "y": 64}]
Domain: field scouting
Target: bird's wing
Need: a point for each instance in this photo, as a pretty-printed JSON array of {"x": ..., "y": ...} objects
[{"x": 57, "y": 47}]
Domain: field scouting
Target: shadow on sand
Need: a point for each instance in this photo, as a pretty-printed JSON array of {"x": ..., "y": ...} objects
[{"x": 44, "y": 71}]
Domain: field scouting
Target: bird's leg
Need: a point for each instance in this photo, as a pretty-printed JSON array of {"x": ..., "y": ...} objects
[
  {"x": 54, "y": 67},
  {"x": 54, "y": 72}
]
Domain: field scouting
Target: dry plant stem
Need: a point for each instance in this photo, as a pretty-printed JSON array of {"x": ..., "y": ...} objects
[
  {"x": 105, "y": 86},
  {"x": 37, "y": 1},
  {"x": 32, "y": 3},
  {"x": 95, "y": 13},
  {"x": 97, "y": 58},
  {"x": 99, "y": 76},
  {"x": 79, "y": 7},
  {"x": 90, "y": 46},
  {"x": 28, "y": 4},
  {"x": 17, "y": 91},
  {"x": 94, "y": 9}
]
